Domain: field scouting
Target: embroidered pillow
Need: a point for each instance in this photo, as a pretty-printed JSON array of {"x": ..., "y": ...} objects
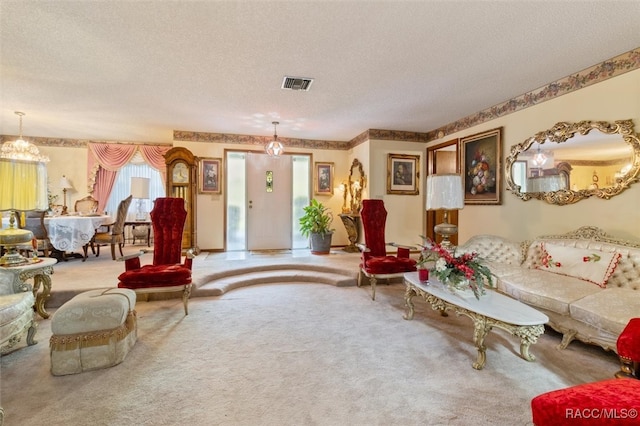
[{"x": 590, "y": 265}]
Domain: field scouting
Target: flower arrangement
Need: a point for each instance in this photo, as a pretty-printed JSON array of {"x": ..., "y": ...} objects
[{"x": 458, "y": 271}]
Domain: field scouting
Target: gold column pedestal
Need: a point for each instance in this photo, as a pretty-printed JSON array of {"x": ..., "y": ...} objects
[{"x": 351, "y": 223}]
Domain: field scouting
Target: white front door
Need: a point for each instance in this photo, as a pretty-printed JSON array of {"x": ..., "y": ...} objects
[{"x": 269, "y": 198}]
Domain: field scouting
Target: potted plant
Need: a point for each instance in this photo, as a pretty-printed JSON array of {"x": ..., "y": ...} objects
[{"x": 315, "y": 224}]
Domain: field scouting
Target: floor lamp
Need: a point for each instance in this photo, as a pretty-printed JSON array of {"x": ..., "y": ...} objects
[
  {"x": 444, "y": 192},
  {"x": 23, "y": 173}
]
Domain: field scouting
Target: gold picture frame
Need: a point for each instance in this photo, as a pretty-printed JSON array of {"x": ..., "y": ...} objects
[
  {"x": 481, "y": 161},
  {"x": 323, "y": 178},
  {"x": 210, "y": 176},
  {"x": 403, "y": 172}
]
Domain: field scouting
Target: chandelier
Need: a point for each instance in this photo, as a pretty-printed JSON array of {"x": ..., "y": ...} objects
[
  {"x": 21, "y": 149},
  {"x": 24, "y": 187},
  {"x": 539, "y": 158},
  {"x": 275, "y": 147}
]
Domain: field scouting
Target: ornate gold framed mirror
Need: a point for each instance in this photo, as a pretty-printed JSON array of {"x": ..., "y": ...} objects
[
  {"x": 573, "y": 161},
  {"x": 357, "y": 182}
]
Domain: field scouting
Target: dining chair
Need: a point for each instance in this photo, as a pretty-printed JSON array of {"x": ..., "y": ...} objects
[
  {"x": 34, "y": 222},
  {"x": 86, "y": 205},
  {"x": 114, "y": 235}
]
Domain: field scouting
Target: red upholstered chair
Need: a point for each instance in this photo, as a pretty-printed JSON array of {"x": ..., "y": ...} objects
[
  {"x": 375, "y": 263},
  {"x": 166, "y": 274},
  {"x": 628, "y": 347}
]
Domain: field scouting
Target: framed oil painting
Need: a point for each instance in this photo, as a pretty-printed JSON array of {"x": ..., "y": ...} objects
[
  {"x": 480, "y": 156},
  {"x": 403, "y": 172},
  {"x": 323, "y": 179},
  {"x": 210, "y": 173}
]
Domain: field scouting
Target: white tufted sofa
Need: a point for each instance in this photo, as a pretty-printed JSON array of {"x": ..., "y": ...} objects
[
  {"x": 17, "y": 317},
  {"x": 577, "y": 308}
]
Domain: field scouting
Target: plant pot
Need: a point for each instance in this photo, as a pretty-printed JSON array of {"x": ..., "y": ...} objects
[{"x": 320, "y": 243}]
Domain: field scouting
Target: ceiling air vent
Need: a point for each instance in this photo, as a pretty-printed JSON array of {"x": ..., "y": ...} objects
[{"x": 297, "y": 83}]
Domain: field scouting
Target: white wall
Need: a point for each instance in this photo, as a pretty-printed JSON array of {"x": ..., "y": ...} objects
[{"x": 613, "y": 99}]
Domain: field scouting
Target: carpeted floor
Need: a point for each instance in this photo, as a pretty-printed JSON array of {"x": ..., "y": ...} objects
[{"x": 298, "y": 354}]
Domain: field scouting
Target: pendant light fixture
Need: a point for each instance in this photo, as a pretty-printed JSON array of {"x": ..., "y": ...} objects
[
  {"x": 274, "y": 148},
  {"x": 539, "y": 158}
]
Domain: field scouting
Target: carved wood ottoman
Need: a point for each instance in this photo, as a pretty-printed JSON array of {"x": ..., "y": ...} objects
[{"x": 96, "y": 329}]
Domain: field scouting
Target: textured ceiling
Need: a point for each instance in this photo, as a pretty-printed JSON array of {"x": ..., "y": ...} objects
[{"x": 137, "y": 70}]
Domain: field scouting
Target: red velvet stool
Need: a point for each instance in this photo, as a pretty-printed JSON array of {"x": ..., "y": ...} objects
[
  {"x": 628, "y": 346},
  {"x": 607, "y": 402}
]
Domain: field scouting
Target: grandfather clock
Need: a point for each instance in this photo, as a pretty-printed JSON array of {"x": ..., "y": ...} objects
[{"x": 182, "y": 178}]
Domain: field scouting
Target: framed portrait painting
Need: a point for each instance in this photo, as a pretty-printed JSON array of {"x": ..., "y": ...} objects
[
  {"x": 403, "y": 172},
  {"x": 480, "y": 157},
  {"x": 323, "y": 179},
  {"x": 210, "y": 173}
]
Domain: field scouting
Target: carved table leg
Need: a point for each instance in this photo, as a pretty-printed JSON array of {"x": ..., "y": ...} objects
[
  {"x": 408, "y": 295},
  {"x": 41, "y": 298},
  {"x": 528, "y": 336},
  {"x": 480, "y": 330}
]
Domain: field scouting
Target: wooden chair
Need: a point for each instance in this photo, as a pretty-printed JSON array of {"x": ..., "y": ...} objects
[
  {"x": 86, "y": 205},
  {"x": 114, "y": 234},
  {"x": 34, "y": 222}
]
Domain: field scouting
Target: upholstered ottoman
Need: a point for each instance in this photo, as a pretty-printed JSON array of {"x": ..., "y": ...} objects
[
  {"x": 628, "y": 346},
  {"x": 95, "y": 329},
  {"x": 607, "y": 402}
]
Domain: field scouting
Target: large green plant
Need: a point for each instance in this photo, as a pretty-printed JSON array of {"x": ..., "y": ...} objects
[{"x": 316, "y": 219}]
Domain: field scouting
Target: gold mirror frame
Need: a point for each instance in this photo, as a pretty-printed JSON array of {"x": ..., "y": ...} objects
[
  {"x": 355, "y": 192},
  {"x": 563, "y": 131}
]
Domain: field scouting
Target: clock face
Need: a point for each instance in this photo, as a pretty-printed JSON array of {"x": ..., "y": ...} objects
[{"x": 180, "y": 173}]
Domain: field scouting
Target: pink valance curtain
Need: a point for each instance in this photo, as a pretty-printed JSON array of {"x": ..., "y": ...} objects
[{"x": 104, "y": 161}]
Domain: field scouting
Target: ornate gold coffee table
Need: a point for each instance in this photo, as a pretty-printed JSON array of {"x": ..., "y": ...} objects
[{"x": 492, "y": 310}]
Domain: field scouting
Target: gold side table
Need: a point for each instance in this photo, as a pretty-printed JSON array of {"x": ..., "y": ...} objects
[
  {"x": 351, "y": 223},
  {"x": 41, "y": 273}
]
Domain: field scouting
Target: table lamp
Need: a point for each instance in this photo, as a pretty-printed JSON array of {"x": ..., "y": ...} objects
[
  {"x": 444, "y": 192},
  {"x": 23, "y": 173},
  {"x": 65, "y": 184},
  {"x": 140, "y": 190}
]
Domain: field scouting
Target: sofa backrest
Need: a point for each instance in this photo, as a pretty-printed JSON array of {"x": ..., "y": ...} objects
[
  {"x": 493, "y": 248},
  {"x": 625, "y": 275}
]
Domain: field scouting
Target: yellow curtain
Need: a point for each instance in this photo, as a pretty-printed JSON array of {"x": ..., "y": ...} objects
[{"x": 23, "y": 185}]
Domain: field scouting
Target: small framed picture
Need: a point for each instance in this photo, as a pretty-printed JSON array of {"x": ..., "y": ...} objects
[
  {"x": 480, "y": 156},
  {"x": 210, "y": 174},
  {"x": 403, "y": 172},
  {"x": 323, "y": 179}
]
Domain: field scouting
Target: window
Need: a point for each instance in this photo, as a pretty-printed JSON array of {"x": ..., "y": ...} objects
[{"x": 122, "y": 187}]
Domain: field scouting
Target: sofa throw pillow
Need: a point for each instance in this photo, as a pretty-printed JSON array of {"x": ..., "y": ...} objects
[{"x": 590, "y": 265}]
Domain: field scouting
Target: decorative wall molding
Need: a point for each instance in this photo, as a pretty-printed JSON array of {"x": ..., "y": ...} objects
[
  {"x": 610, "y": 68},
  {"x": 226, "y": 138}
]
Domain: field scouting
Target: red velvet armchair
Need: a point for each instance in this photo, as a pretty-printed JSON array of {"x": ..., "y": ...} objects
[
  {"x": 375, "y": 263},
  {"x": 166, "y": 273},
  {"x": 607, "y": 402}
]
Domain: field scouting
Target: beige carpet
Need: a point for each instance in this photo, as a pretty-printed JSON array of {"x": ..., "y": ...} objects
[{"x": 298, "y": 354}]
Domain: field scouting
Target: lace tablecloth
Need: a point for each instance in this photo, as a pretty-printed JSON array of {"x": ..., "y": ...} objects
[{"x": 71, "y": 233}]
